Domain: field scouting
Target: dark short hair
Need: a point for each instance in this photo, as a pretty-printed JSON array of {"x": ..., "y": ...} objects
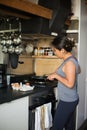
[{"x": 63, "y": 42}]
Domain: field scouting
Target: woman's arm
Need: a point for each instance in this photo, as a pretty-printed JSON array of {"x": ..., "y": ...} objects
[{"x": 70, "y": 70}]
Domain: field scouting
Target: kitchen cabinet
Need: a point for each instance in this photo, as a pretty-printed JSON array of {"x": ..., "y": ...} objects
[{"x": 14, "y": 115}]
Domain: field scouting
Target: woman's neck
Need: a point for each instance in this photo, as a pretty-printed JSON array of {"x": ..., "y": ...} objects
[{"x": 67, "y": 55}]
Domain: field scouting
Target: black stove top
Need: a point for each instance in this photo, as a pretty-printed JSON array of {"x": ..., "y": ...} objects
[{"x": 37, "y": 81}]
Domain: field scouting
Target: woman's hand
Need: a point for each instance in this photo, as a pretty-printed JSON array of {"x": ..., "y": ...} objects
[{"x": 52, "y": 76}]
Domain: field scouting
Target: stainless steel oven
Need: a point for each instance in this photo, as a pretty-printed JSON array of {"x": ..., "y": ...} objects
[{"x": 37, "y": 100}]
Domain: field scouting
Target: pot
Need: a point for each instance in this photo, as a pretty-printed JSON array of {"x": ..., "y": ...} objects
[
  {"x": 11, "y": 49},
  {"x": 17, "y": 40}
]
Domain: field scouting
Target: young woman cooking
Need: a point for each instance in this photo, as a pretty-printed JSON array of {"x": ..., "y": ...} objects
[{"x": 67, "y": 76}]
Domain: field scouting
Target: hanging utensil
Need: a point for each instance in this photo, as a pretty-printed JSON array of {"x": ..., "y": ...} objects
[
  {"x": 14, "y": 60},
  {"x": 10, "y": 49}
]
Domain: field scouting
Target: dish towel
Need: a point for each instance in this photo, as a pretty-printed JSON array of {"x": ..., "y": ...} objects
[
  {"x": 38, "y": 118},
  {"x": 47, "y": 116},
  {"x": 43, "y": 117}
]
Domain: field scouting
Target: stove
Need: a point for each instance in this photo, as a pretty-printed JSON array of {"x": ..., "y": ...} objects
[
  {"x": 37, "y": 100},
  {"x": 37, "y": 81}
]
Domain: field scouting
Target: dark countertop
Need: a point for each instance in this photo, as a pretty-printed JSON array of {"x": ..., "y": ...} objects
[{"x": 7, "y": 94}]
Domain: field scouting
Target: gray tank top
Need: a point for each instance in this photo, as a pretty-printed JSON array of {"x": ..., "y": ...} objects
[{"x": 65, "y": 93}]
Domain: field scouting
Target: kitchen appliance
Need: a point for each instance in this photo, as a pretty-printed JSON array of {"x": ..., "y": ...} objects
[
  {"x": 37, "y": 81},
  {"x": 41, "y": 81},
  {"x": 37, "y": 100},
  {"x": 3, "y": 68},
  {"x": 61, "y": 10},
  {"x": 35, "y": 25}
]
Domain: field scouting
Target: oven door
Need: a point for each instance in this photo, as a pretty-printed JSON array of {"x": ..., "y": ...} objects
[{"x": 39, "y": 102}]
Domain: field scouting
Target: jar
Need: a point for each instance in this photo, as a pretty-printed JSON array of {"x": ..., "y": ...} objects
[
  {"x": 45, "y": 51},
  {"x": 41, "y": 51},
  {"x": 50, "y": 52}
]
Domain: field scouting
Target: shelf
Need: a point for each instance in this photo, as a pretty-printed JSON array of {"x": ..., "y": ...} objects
[
  {"x": 33, "y": 56},
  {"x": 72, "y": 31},
  {"x": 10, "y": 30},
  {"x": 74, "y": 18},
  {"x": 47, "y": 57}
]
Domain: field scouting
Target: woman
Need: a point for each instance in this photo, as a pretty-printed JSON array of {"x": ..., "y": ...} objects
[{"x": 66, "y": 75}]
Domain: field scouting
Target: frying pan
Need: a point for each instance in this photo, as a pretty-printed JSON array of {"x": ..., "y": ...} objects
[{"x": 39, "y": 79}]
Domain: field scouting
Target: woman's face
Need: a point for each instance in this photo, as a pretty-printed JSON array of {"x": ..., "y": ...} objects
[{"x": 58, "y": 53}]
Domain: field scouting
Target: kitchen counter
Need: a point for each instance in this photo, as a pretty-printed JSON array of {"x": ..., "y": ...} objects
[
  {"x": 15, "y": 105},
  {"x": 7, "y": 94}
]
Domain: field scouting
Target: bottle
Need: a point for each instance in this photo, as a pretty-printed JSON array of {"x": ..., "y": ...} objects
[
  {"x": 35, "y": 51},
  {"x": 38, "y": 51},
  {"x": 41, "y": 51}
]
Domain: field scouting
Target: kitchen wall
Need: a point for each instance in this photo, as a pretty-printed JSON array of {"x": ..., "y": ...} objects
[
  {"x": 27, "y": 67},
  {"x": 39, "y": 65},
  {"x": 46, "y": 66}
]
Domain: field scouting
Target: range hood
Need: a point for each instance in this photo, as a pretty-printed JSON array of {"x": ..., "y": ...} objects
[
  {"x": 62, "y": 12},
  {"x": 57, "y": 24},
  {"x": 35, "y": 25}
]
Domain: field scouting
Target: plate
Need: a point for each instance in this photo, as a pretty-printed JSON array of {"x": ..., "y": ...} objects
[{"x": 26, "y": 88}]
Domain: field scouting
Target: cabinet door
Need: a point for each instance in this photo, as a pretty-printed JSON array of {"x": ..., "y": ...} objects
[{"x": 14, "y": 115}]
